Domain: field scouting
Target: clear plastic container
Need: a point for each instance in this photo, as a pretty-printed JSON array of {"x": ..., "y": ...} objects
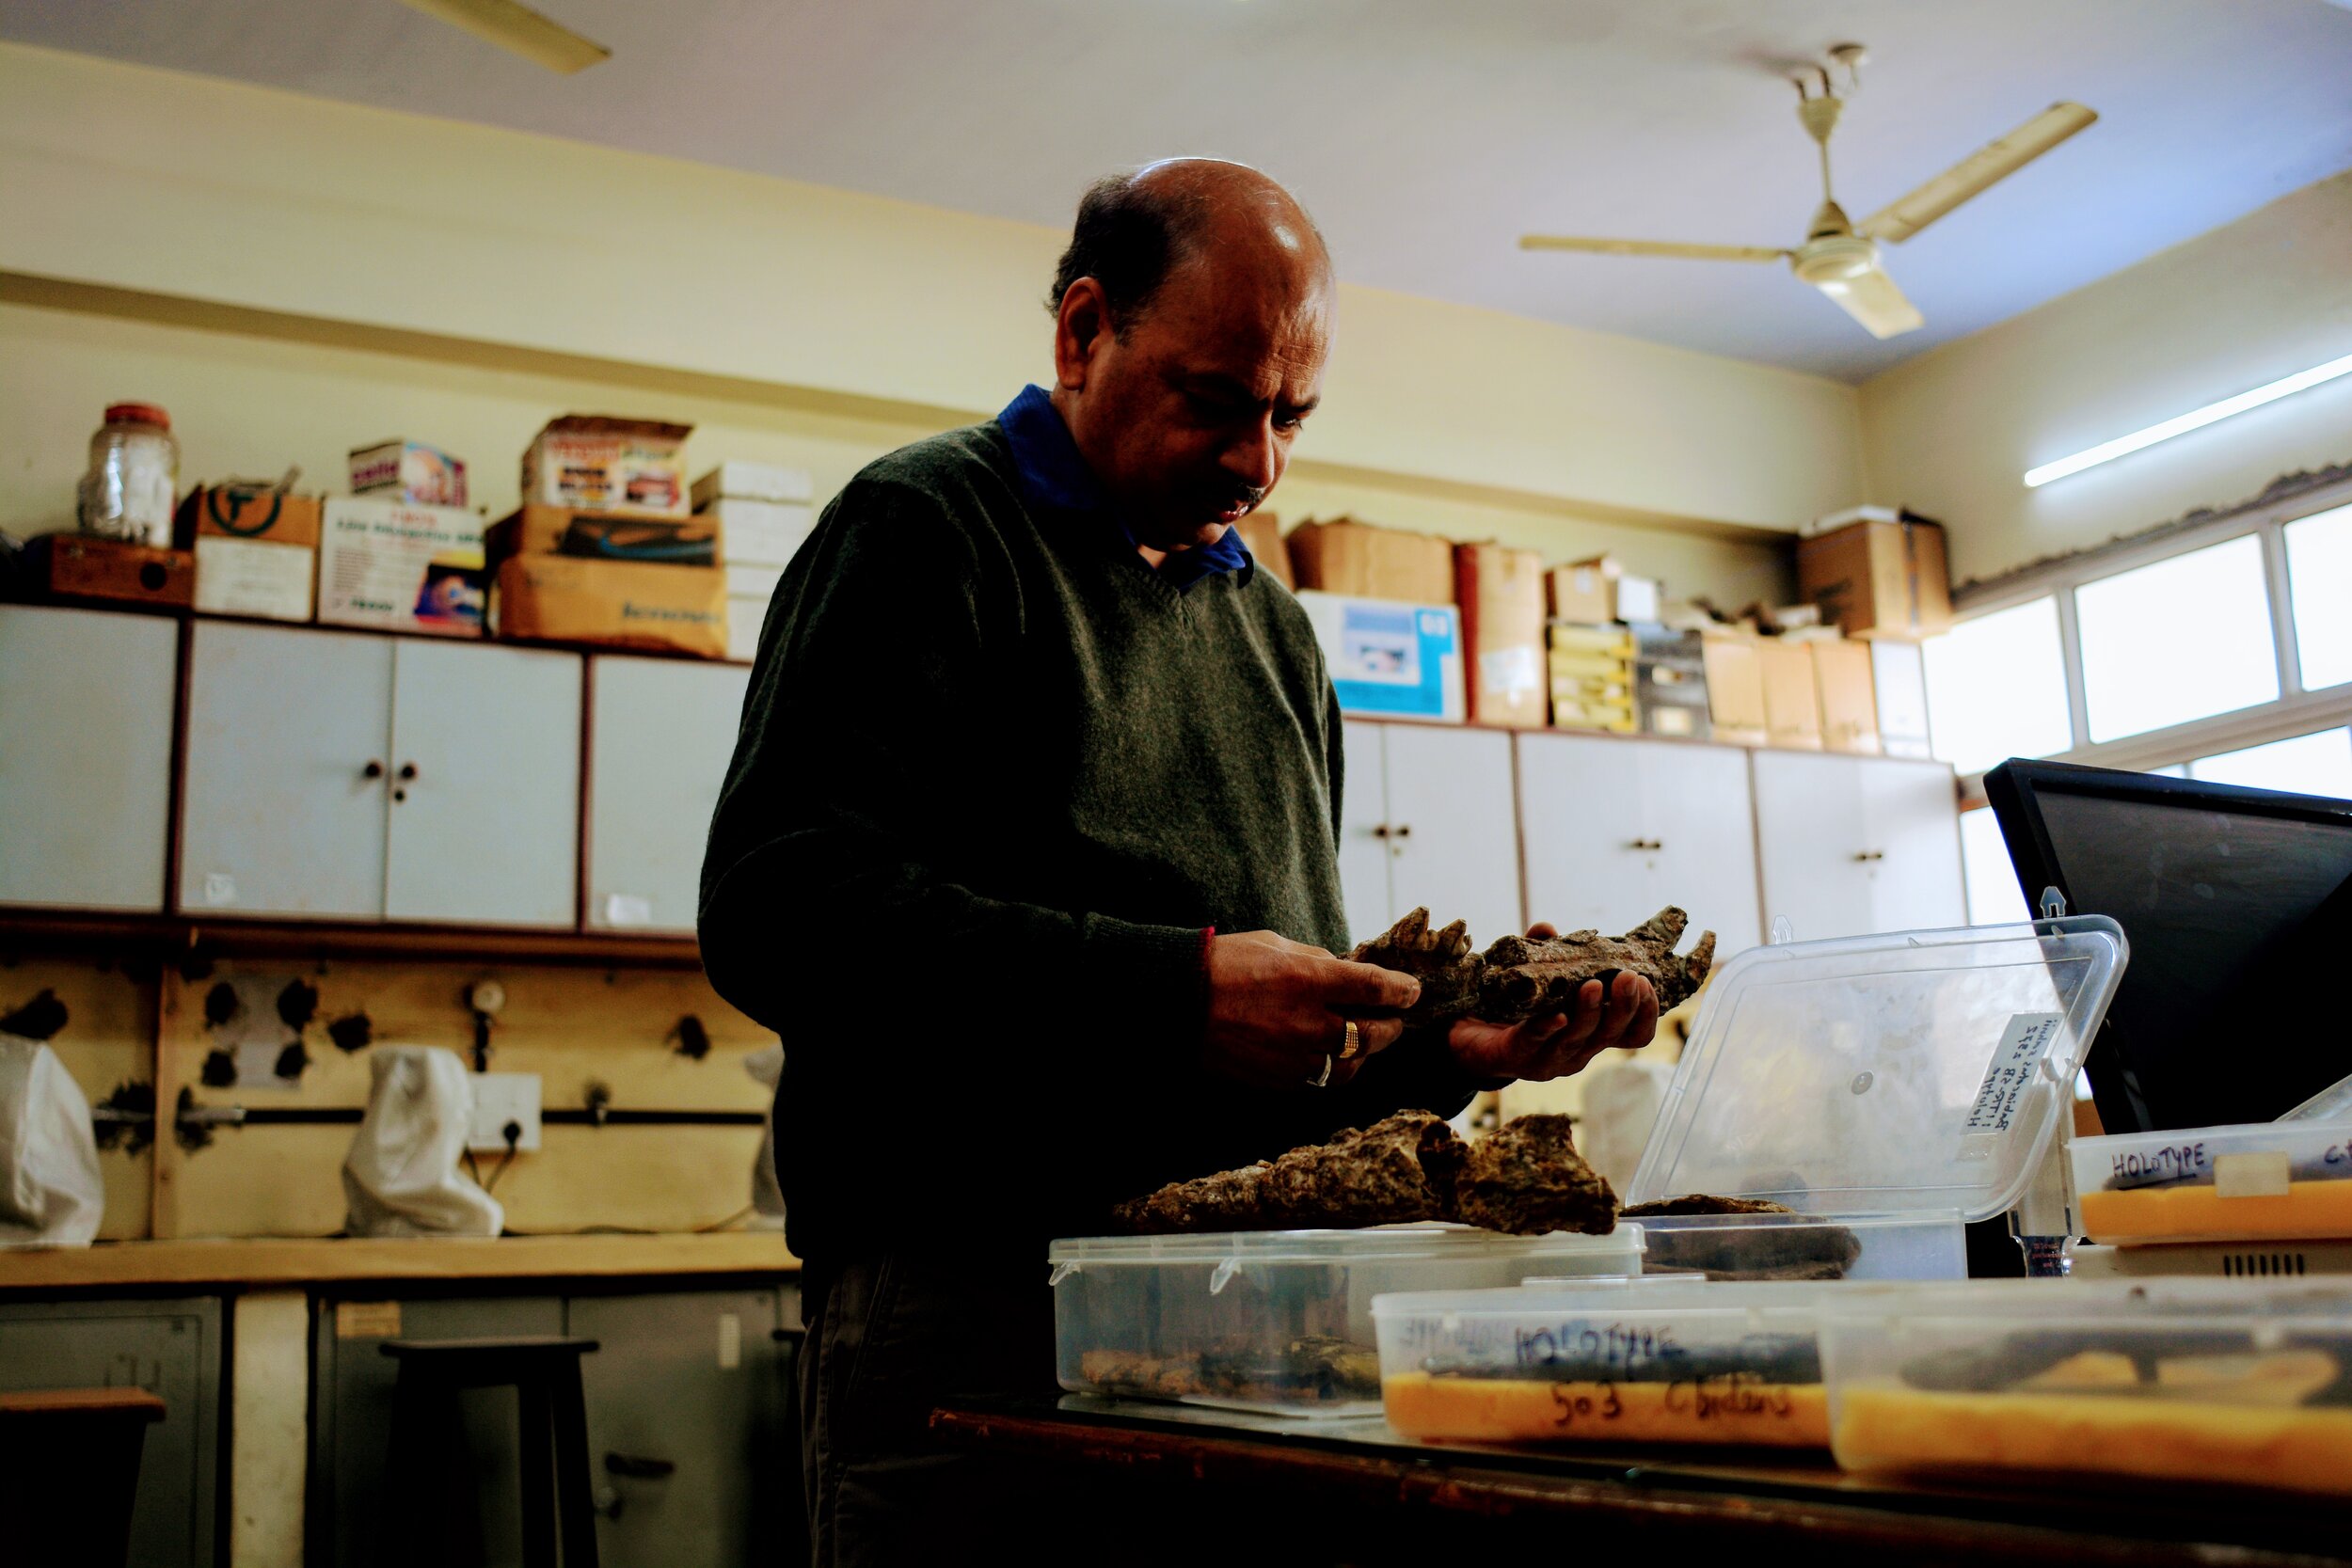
[
  {"x": 133, "y": 477},
  {"x": 1276, "y": 1320},
  {"x": 1889, "y": 1087},
  {"x": 2209, "y": 1382},
  {"x": 2332, "y": 1103},
  {"x": 2263, "y": 1181},
  {"x": 1672, "y": 1361}
]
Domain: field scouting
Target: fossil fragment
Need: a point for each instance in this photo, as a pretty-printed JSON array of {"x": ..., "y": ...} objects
[
  {"x": 1785, "y": 1245},
  {"x": 1526, "y": 1177},
  {"x": 1518, "y": 977}
]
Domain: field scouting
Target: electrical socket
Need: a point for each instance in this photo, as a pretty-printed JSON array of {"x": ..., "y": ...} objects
[{"x": 499, "y": 1099}]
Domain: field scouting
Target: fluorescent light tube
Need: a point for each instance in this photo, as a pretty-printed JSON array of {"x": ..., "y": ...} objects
[{"x": 2182, "y": 423}]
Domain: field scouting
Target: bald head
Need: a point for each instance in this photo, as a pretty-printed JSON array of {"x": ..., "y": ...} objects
[{"x": 1135, "y": 229}]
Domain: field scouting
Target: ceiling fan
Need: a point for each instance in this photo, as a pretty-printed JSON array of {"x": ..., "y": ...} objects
[
  {"x": 517, "y": 28},
  {"x": 1842, "y": 258}
]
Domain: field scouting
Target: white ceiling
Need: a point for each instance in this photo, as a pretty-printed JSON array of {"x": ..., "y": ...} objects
[{"x": 1425, "y": 137}]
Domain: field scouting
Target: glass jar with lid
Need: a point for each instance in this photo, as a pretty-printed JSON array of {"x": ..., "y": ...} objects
[{"x": 134, "y": 476}]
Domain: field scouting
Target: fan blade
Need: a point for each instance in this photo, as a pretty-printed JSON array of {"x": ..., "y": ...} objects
[
  {"x": 1652, "y": 248},
  {"x": 1981, "y": 169},
  {"x": 1872, "y": 299},
  {"x": 519, "y": 30}
]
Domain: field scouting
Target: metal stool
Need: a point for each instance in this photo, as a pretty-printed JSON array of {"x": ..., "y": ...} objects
[
  {"x": 544, "y": 1370},
  {"x": 69, "y": 1472}
]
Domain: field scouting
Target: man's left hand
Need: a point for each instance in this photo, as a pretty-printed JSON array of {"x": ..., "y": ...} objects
[{"x": 1554, "y": 1045}]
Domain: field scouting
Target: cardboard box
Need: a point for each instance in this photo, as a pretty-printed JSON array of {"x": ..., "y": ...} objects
[
  {"x": 745, "y": 617},
  {"x": 611, "y": 604},
  {"x": 1397, "y": 660},
  {"x": 1589, "y": 673},
  {"x": 254, "y": 577},
  {"x": 1584, "y": 592},
  {"x": 1262, "y": 535},
  {"x": 245, "y": 509},
  {"x": 620, "y": 467},
  {"x": 1898, "y": 674},
  {"x": 753, "y": 481},
  {"x": 1850, "y": 713},
  {"x": 599, "y": 536},
  {"x": 1359, "y": 561},
  {"x": 1792, "y": 704},
  {"x": 409, "y": 471},
  {"x": 1735, "y": 689},
  {"x": 760, "y": 533},
  {"x": 396, "y": 567},
  {"x": 1877, "y": 578},
  {"x": 1500, "y": 594},
  {"x": 86, "y": 566},
  {"x": 1670, "y": 682}
]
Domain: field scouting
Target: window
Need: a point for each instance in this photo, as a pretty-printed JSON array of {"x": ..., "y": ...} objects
[
  {"x": 2307, "y": 765},
  {"x": 1996, "y": 688},
  {"x": 1993, "y": 896},
  {"x": 2184, "y": 639},
  {"x": 2319, "y": 586}
]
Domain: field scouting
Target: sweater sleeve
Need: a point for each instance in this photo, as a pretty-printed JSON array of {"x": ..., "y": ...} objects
[{"x": 870, "y": 736}]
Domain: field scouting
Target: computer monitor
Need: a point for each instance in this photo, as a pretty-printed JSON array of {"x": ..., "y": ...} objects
[{"x": 2237, "y": 904}]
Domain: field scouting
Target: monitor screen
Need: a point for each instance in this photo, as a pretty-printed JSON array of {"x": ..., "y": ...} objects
[{"x": 2237, "y": 904}]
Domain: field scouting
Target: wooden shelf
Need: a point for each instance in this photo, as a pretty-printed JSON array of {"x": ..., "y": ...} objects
[
  {"x": 173, "y": 935},
  {"x": 262, "y": 1261}
]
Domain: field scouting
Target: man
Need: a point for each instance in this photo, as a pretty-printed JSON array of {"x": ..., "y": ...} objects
[{"x": 1028, "y": 850}]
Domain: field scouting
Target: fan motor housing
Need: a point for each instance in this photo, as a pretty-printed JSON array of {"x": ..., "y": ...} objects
[{"x": 1834, "y": 259}]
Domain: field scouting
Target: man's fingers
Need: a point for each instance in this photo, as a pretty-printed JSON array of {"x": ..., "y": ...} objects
[
  {"x": 1353, "y": 986},
  {"x": 1645, "y": 1027},
  {"x": 1375, "y": 1035},
  {"x": 1586, "y": 1020},
  {"x": 1624, "y": 1000}
]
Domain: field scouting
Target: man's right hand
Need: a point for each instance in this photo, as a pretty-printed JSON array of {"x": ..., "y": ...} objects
[{"x": 1278, "y": 1008}]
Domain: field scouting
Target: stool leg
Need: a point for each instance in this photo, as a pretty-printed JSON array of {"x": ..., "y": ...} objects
[
  {"x": 412, "y": 1502},
  {"x": 573, "y": 1481},
  {"x": 537, "y": 1436}
]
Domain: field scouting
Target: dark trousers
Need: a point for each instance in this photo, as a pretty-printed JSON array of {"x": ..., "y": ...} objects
[{"x": 889, "y": 1338}]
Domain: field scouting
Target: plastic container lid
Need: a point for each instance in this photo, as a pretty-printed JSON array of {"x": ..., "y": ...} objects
[
  {"x": 1379, "y": 1244},
  {"x": 1917, "y": 1072}
]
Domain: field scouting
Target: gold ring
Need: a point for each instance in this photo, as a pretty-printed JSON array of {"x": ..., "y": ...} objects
[{"x": 1351, "y": 1041}]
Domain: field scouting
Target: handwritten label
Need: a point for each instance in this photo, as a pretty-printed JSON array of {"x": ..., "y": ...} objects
[
  {"x": 1597, "y": 1345},
  {"x": 2023, "y": 1043},
  {"x": 2154, "y": 1167}
]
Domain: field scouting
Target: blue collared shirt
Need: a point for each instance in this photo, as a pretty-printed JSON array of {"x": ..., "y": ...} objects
[{"x": 1054, "y": 477}]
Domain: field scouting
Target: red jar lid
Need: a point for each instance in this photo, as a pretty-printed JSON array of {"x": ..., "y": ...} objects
[{"x": 137, "y": 413}]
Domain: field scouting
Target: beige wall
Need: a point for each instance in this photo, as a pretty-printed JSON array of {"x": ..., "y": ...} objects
[
  {"x": 174, "y": 185},
  {"x": 1951, "y": 433}
]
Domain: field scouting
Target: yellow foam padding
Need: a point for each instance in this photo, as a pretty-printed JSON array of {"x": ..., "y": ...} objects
[
  {"x": 2043, "y": 1435},
  {"x": 2193, "y": 1214},
  {"x": 1532, "y": 1410}
]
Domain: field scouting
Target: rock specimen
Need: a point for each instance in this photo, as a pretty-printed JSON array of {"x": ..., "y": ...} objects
[
  {"x": 1795, "y": 1248},
  {"x": 1518, "y": 977},
  {"x": 1527, "y": 1178}
]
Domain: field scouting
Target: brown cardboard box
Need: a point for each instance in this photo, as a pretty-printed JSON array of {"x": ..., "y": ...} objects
[
  {"x": 1735, "y": 689},
  {"x": 611, "y": 604},
  {"x": 1879, "y": 578},
  {"x": 1841, "y": 678},
  {"x": 597, "y": 537},
  {"x": 1793, "y": 706},
  {"x": 1355, "y": 559},
  {"x": 246, "y": 509},
  {"x": 1584, "y": 592},
  {"x": 594, "y": 463},
  {"x": 84, "y": 566},
  {"x": 1261, "y": 533},
  {"x": 1502, "y": 595}
]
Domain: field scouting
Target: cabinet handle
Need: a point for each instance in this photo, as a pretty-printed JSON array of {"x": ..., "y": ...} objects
[
  {"x": 1870, "y": 855},
  {"x": 1380, "y": 830},
  {"x": 1404, "y": 830},
  {"x": 408, "y": 771},
  {"x": 639, "y": 1466},
  {"x": 1648, "y": 844},
  {"x": 374, "y": 770},
  {"x": 399, "y": 795}
]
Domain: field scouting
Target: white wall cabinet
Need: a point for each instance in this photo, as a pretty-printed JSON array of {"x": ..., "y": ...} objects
[
  {"x": 1616, "y": 828},
  {"x": 86, "y": 701},
  {"x": 660, "y": 732},
  {"x": 1426, "y": 818},
  {"x": 339, "y": 776},
  {"x": 1852, "y": 845}
]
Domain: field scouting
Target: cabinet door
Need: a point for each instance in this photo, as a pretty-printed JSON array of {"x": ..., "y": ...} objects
[
  {"x": 1812, "y": 839},
  {"x": 279, "y": 814},
  {"x": 485, "y": 785},
  {"x": 1453, "y": 838},
  {"x": 172, "y": 1348},
  {"x": 85, "y": 701},
  {"x": 695, "y": 1382},
  {"x": 1912, "y": 810},
  {"x": 1580, "y": 813},
  {"x": 659, "y": 734},
  {"x": 1698, "y": 813},
  {"x": 1363, "y": 834}
]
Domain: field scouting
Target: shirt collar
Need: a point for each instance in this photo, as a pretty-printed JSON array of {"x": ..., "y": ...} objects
[{"x": 1054, "y": 476}]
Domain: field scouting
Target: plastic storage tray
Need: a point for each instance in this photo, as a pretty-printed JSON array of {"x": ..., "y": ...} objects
[
  {"x": 2204, "y": 1382},
  {"x": 2262, "y": 1180},
  {"x": 1672, "y": 1362},
  {"x": 1895, "y": 1086},
  {"x": 1276, "y": 1320}
]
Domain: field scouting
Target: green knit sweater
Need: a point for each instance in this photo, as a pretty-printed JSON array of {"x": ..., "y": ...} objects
[{"x": 994, "y": 777}]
